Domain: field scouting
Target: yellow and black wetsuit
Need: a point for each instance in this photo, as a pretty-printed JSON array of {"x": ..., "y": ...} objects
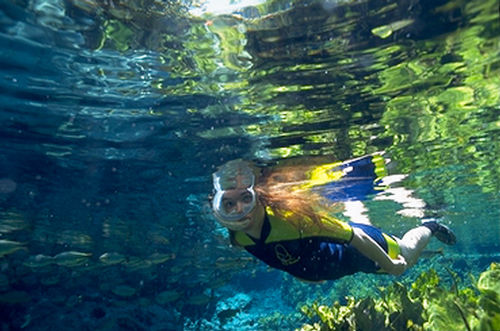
[{"x": 311, "y": 254}]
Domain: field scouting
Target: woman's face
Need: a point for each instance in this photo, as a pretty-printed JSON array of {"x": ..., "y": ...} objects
[
  {"x": 241, "y": 202},
  {"x": 237, "y": 202}
]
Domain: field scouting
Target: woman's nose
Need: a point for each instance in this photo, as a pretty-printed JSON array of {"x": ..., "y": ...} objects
[{"x": 239, "y": 207}]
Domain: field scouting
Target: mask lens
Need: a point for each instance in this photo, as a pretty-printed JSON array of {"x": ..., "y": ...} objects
[
  {"x": 231, "y": 206},
  {"x": 237, "y": 205}
]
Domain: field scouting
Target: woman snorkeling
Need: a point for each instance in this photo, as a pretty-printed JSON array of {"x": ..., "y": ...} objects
[{"x": 276, "y": 215}]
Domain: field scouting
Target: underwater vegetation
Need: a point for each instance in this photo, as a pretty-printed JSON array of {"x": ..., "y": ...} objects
[
  {"x": 426, "y": 305},
  {"x": 114, "y": 114}
]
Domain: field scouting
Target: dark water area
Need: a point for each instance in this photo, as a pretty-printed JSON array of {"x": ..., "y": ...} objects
[{"x": 114, "y": 114}]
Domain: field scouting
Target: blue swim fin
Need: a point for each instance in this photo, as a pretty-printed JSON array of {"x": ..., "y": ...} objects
[{"x": 350, "y": 180}]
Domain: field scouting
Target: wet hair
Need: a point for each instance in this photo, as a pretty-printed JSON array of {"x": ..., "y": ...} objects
[{"x": 282, "y": 188}]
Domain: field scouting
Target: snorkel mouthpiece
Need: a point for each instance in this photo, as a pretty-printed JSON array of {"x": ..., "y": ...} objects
[{"x": 237, "y": 177}]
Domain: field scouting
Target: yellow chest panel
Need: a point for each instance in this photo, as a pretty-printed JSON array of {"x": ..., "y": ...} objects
[{"x": 283, "y": 230}]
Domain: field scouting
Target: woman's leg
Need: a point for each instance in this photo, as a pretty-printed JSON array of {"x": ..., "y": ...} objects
[{"x": 413, "y": 242}]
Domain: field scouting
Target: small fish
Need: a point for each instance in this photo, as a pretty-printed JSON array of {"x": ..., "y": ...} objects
[
  {"x": 112, "y": 258},
  {"x": 135, "y": 263},
  {"x": 198, "y": 300},
  {"x": 124, "y": 291},
  {"x": 159, "y": 258},
  {"x": 431, "y": 253},
  {"x": 39, "y": 261},
  {"x": 219, "y": 282},
  {"x": 71, "y": 258},
  {"x": 10, "y": 222},
  {"x": 223, "y": 262},
  {"x": 8, "y": 247},
  {"x": 167, "y": 296}
]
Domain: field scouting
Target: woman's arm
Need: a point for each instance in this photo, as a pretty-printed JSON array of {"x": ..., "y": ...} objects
[{"x": 369, "y": 248}]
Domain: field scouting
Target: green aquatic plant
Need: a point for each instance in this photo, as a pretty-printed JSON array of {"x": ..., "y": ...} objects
[
  {"x": 489, "y": 301},
  {"x": 425, "y": 305}
]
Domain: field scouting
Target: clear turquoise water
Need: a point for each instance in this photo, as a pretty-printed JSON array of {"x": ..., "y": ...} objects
[{"x": 113, "y": 116}]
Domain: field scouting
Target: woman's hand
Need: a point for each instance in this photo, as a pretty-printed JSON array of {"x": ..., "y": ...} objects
[{"x": 399, "y": 266}]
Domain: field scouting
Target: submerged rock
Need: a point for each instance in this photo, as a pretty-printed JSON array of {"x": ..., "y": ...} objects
[{"x": 230, "y": 307}]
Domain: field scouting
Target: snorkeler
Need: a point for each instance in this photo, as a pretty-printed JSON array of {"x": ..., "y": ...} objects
[{"x": 273, "y": 216}]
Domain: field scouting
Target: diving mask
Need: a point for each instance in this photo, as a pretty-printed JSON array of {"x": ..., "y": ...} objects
[{"x": 234, "y": 196}]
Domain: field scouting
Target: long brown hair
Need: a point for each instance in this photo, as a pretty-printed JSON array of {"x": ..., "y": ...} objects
[{"x": 284, "y": 189}]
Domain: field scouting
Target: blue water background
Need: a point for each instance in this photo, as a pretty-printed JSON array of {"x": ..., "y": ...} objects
[{"x": 108, "y": 141}]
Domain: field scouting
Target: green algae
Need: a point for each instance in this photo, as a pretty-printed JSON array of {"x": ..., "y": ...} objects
[{"x": 385, "y": 31}]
